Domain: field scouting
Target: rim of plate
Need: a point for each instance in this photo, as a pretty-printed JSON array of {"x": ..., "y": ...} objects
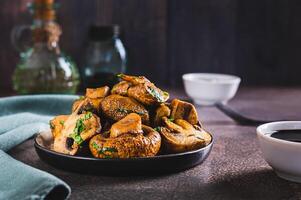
[{"x": 37, "y": 145}]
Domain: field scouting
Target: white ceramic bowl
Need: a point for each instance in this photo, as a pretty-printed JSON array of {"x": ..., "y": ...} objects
[
  {"x": 209, "y": 89},
  {"x": 282, "y": 155}
]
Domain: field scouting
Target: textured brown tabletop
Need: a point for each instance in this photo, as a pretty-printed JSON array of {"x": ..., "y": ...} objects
[{"x": 235, "y": 168}]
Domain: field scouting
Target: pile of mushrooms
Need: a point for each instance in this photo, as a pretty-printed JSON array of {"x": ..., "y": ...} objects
[{"x": 133, "y": 119}]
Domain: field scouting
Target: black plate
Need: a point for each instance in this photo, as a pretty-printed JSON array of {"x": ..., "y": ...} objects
[{"x": 160, "y": 164}]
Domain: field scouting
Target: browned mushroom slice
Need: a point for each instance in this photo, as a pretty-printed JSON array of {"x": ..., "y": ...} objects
[
  {"x": 133, "y": 79},
  {"x": 182, "y": 126},
  {"x": 168, "y": 123},
  {"x": 76, "y": 130},
  {"x": 86, "y": 105},
  {"x": 147, "y": 94},
  {"x": 116, "y": 107},
  {"x": 57, "y": 124},
  {"x": 126, "y": 145},
  {"x": 179, "y": 142},
  {"x": 77, "y": 102},
  {"x": 121, "y": 88},
  {"x": 184, "y": 110},
  {"x": 181, "y": 136},
  {"x": 162, "y": 111},
  {"x": 129, "y": 124},
  {"x": 195, "y": 129},
  {"x": 94, "y": 93},
  {"x": 91, "y": 101},
  {"x": 185, "y": 125},
  {"x": 202, "y": 133},
  {"x": 141, "y": 89}
]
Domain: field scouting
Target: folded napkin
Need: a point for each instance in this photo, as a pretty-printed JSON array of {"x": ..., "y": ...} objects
[{"x": 20, "y": 118}]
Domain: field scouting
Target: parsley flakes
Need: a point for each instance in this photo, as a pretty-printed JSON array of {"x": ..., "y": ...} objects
[
  {"x": 104, "y": 150},
  {"x": 155, "y": 93},
  {"x": 79, "y": 128},
  {"x": 127, "y": 111}
]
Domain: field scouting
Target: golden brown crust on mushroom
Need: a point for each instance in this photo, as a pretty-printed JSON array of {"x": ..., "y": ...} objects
[
  {"x": 126, "y": 145},
  {"x": 179, "y": 142},
  {"x": 184, "y": 110},
  {"x": 181, "y": 136},
  {"x": 94, "y": 93},
  {"x": 116, "y": 107},
  {"x": 134, "y": 80},
  {"x": 147, "y": 94},
  {"x": 141, "y": 89},
  {"x": 121, "y": 88},
  {"x": 86, "y": 104},
  {"x": 91, "y": 101}
]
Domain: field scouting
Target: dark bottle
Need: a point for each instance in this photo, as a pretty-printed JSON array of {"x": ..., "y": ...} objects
[{"x": 105, "y": 57}]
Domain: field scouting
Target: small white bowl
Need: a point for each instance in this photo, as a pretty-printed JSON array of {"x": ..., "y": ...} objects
[
  {"x": 209, "y": 89},
  {"x": 282, "y": 155}
]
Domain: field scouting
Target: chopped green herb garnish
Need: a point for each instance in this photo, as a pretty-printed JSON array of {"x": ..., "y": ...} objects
[
  {"x": 119, "y": 75},
  {"x": 95, "y": 146},
  {"x": 81, "y": 97},
  {"x": 122, "y": 110},
  {"x": 104, "y": 150},
  {"x": 125, "y": 111},
  {"x": 77, "y": 138},
  {"x": 158, "y": 129},
  {"x": 88, "y": 115},
  {"x": 155, "y": 93},
  {"x": 79, "y": 128},
  {"x": 171, "y": 119},
  {"x": 62, "y": 122}
]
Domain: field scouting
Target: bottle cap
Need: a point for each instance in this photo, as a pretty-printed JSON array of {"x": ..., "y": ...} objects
[{"x": 43, "y": 9}]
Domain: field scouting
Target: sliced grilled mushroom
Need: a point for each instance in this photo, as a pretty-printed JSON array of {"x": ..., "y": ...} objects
[
  {"x": 162, "y": 111},
  {"x": 121, "y": 88},
  {"x": 147, "y": 94},
  {"x": 76, "y": 130},
  {"x": 134, "y": 80},
  {"x": 86, "y": 105},
  {"x": 143, "y": 90},
  {"x": 116, "y": 107},
  {"x": 94, "y": 93},
  {"x": 184, "y": 110},
  {"x": 181, "y": 136},
  {"x": 91, "y": 101}
]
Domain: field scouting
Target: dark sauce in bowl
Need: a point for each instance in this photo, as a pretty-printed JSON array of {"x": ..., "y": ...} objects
[{"x": 288, "y": 135}]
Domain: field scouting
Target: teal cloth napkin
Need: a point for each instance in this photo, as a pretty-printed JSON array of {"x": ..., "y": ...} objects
[{"x": 20, "y": 118}]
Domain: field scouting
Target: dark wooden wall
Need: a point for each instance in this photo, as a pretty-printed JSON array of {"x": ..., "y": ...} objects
[{"x": 259, "y": 40}]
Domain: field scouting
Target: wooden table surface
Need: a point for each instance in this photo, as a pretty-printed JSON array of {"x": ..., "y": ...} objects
[{"x": 235, "y": 169}]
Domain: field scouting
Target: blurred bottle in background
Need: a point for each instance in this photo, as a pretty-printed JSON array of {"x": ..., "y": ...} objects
[
  {"x": 43, "y": 68},
  {"x": 105, "y": 57}
]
